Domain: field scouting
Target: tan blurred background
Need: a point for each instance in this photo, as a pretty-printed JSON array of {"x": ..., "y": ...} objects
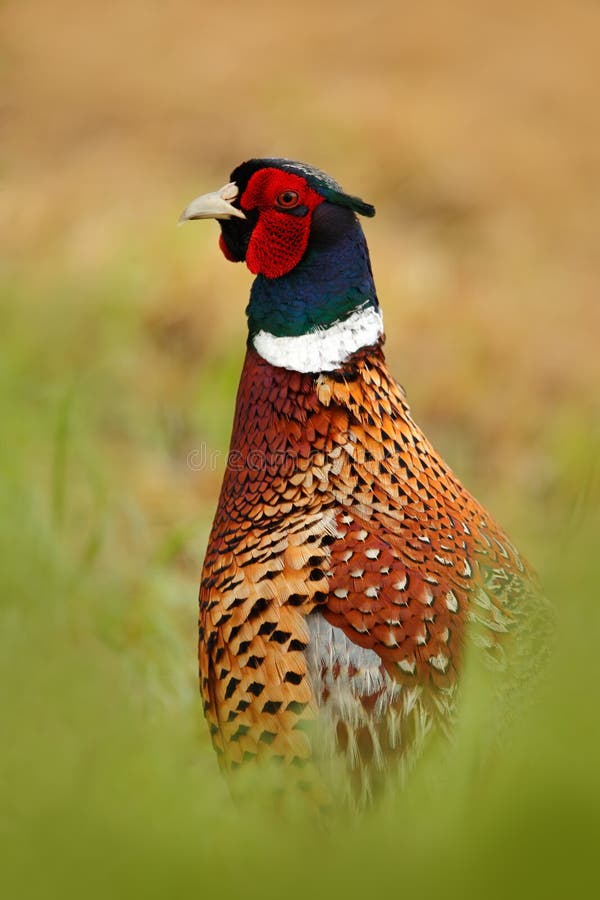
[{"x": 474, "y": 128}]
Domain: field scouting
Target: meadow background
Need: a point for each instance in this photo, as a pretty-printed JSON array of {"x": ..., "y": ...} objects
[{"x": 474, "y": 129}]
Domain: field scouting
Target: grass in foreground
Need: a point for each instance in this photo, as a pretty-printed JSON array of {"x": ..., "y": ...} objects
[{"x": 109, "y": 785}]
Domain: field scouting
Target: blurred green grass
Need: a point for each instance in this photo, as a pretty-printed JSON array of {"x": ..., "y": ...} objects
[
  {"x": 121, "y": 342},
  {"x": 109, "y": 784}
]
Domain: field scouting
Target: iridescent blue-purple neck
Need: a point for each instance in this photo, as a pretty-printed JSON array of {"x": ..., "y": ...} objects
[{"x": 333, "y": 280}]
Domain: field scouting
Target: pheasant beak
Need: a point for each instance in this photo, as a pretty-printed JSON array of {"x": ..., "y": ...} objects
[{"x": 216, "y": 205}]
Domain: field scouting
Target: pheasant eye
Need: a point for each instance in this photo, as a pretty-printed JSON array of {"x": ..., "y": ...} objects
[{"x": 288, "y": 199}]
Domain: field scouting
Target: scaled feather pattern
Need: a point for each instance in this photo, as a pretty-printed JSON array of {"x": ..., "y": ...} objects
[{"x": 347, "y": 568}]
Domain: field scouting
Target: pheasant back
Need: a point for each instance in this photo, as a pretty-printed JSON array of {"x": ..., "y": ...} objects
[{"x": 344, "y": 564}]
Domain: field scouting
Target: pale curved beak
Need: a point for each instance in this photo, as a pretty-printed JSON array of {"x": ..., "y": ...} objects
[{"x": 216, "y": 205}]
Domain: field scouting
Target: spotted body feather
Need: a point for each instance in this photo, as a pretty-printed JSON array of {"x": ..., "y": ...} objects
[{"x": 347, "y": 567}]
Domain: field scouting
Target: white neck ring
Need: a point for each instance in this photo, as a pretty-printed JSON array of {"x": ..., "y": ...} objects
[{"x": 324, "y": 349}]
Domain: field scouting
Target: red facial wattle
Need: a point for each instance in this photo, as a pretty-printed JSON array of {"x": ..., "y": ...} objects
[{"x": 280, "y": 237}]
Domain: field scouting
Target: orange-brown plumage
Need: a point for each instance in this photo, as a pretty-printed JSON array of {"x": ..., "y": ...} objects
[{"x": 346, "y": 569}]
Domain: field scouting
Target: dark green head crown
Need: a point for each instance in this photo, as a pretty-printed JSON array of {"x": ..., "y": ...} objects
[{"x": 320, "y": 181}]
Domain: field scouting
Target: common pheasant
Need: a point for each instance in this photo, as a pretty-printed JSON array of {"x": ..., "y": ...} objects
[{"x": 346, "y": 564}]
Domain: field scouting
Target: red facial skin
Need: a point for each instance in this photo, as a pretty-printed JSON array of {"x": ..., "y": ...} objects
[{"x": 279, "y": 238}]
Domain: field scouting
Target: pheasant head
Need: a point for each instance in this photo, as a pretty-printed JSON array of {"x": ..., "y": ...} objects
[{"x": 313, "y": 302}]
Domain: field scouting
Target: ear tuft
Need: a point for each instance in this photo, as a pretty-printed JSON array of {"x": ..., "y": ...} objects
[{"x": 355, "y": 203}]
